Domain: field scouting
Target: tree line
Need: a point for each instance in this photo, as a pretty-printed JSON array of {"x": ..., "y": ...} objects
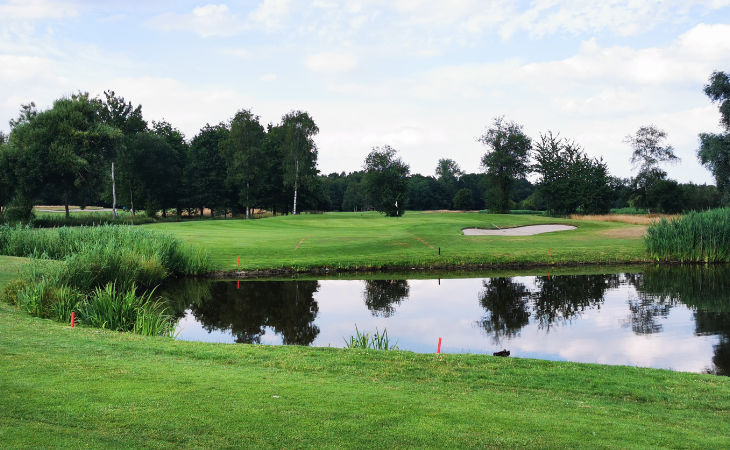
[{"x": 101, "y": 151}]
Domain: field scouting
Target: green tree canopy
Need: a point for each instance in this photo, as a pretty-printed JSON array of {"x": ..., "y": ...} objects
[
  {"x": 386, "y": 177},
  {"x": 299, "y": 151},
  {"x": 568, "y": 178},
  {"x": 245, "y": 159},
  {"x": 65, "y": 145},
  {"x": 718, "y": 89},
  {"x": 506, "y": 160},
  {"x": 206, "y": 169},
  {"x": 714, "y": 151}
]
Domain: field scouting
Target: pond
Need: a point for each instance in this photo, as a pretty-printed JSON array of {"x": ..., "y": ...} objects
[{"x": 665, "y": 317}]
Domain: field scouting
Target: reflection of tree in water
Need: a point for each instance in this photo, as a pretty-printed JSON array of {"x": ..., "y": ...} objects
[
  {"x": 286, "y": 306},
  {"x": 563, "y": 297},
  {"x": 382, "y": 295},
  {"x": 648, "y": 307},
  {"x": 506, "y": 303},
  {"x": 706, "y": 290}
]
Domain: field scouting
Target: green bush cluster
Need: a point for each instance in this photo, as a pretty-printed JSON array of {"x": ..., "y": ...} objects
[
  {"x": 98, "y": 272},
  {"x": 694, "y": 237}
]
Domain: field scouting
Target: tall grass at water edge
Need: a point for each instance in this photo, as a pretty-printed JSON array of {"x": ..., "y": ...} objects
[
  {"x": 374, "y": 341},
  {"x": 66, "y": 243},
  {"x": 98, "y": 272},
  {"x": 694, "y": 237}
]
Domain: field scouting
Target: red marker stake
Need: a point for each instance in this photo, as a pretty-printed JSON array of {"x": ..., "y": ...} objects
[
  {"x": 438, "y": 350},
  {"x": 73, "y": 318},
  {"x": 238, "y": 261},
  {"x": 238, "y": 284},
  {"x": 548, "y": 250}
]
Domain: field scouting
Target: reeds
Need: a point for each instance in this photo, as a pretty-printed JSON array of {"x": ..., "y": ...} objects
[
  {"x": 694, "y": 237},
  {"x": 98, "y": 272},
  {"x": 374, "y": 341}
]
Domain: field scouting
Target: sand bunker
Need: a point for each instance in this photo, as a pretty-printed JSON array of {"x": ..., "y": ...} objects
[{"x": 518, "y": 231}]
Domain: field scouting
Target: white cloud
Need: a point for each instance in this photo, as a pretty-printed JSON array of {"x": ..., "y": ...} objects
[
  {"x": 237, "y": 52},
  {"x": 36, "y": 9},
  {"x": 14, "y": 68},
  {"x": 205, "y": 21},
  {"x": 270, "y": 13},
  {"x": 332, "y": 62}
]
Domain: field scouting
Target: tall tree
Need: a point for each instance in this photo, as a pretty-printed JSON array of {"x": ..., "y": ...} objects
[
  {"x": 69, "y": 142},
  {"x": 714, "y": 151},
  {"x": 206, "y": 171},
  {"x": 568, "y": 178},
  {"x": 180, "y": 151},
  {"x": 121, "y": 114},
  {"x": 243, "y": 151},
  {"x": 386, "y": 177},
  {"x": 649, "y": 150},
  {"x": 718, "y": 89},
  {"x": 300, "y": 151},
  {"x": 506, "y": 160},
  {"x": 156, "y": 166}
]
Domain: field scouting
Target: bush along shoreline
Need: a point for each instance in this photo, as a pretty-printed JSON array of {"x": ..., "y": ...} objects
[
  {"x": 106, "y": 274},
  {"x": 697, "y": 237}
]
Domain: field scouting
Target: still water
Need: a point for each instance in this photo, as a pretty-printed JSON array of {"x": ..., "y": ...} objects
[{"x": 666, "y": 317}]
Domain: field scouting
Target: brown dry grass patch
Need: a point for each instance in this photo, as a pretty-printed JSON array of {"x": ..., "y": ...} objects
[
  {"x": 624, "y": 233},
  {"x": 634, "y": 219}
]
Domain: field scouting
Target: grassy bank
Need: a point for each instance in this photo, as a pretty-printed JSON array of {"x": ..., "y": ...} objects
[
  {"x": 351, "y": 240},
  {"x": 73, "y": 387}
]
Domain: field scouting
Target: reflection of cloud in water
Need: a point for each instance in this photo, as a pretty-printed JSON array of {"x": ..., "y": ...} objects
[{"x": 560, "y": 325}]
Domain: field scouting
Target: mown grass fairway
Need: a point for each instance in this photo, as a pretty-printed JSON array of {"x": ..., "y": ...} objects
[
  {"x": 350, "y": 240},
  {"x": 88, "y": 387}
]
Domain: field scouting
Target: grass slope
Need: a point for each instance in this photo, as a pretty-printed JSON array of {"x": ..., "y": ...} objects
[
  {"x": 9, "y": 266},
  {"x": 73, "y": 387},
  {"x": 351, "y": 240}
]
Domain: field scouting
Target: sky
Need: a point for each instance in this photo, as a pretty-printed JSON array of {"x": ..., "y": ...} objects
[{"x": 425, "y": 77}]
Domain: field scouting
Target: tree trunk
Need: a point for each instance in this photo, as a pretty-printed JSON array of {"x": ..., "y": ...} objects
[
  {"x": 65, "y": 204},
  {"x": 296, "y": 182},
  {"x": 131, "y": 201},
  {"x": 247, "y": 205},
  {"x": 114, "y": 193}
]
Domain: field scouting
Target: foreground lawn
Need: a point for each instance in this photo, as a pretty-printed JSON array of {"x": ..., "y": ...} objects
[
  {"x": 350, "y": 240},
  {"x": 87, "y": 387}
]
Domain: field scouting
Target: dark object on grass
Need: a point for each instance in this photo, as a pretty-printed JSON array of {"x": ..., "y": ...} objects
[{"x": 504, "y": 352}]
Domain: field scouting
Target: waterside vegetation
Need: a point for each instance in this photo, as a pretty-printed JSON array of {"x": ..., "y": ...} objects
[{"x": 106, "y": 275}]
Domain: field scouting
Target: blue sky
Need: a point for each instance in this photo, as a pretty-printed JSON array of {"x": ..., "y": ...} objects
[{"x": 425, "y": 77}]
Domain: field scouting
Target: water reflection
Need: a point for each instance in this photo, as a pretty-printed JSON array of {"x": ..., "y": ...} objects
[
  {"x": 561, "y": 299},
  {"x": 247, "y": 309},
  {"x": 507, "y": 304},
  {"x": 675, "y": 317},
  {"x": 381, "y": 296},
  {"x": 706, "y": 290}
]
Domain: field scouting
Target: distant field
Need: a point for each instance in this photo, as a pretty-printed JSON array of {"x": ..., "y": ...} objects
[{"x": 349, "y": 240}]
